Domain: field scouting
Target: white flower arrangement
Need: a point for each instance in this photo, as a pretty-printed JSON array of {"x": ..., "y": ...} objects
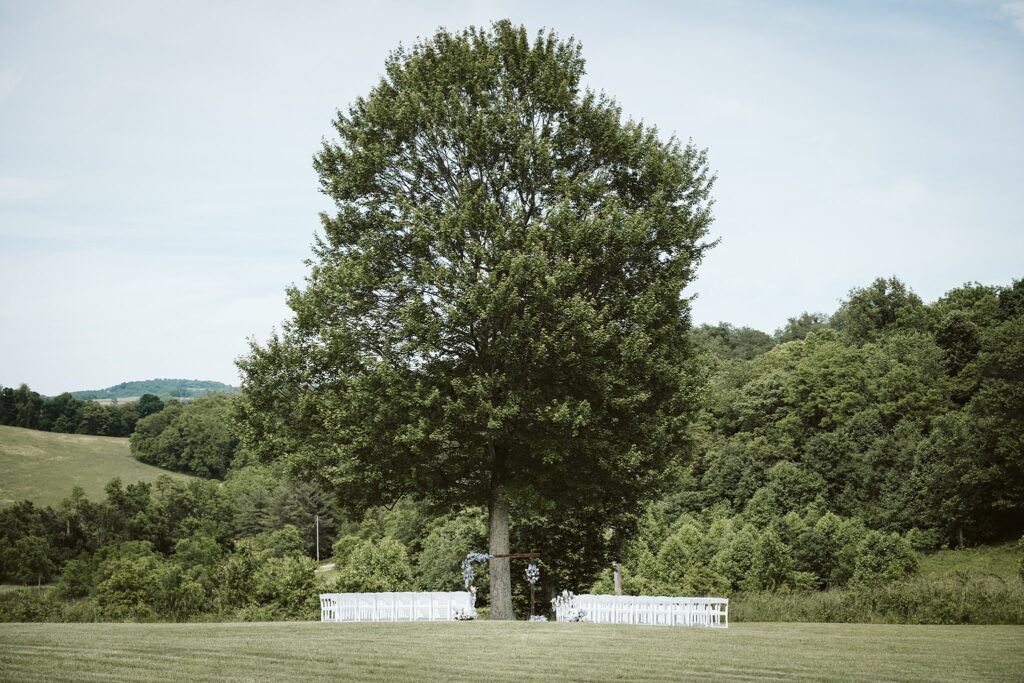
[
  {"x": 564, "y": 601},
  {"x": 538, "y": 617},
  {"x": 467, "y": 566},
  {"x": 576, "y": 614},
  {"x": 465, "y": 614},
  {"x": 532, "y": 573}
]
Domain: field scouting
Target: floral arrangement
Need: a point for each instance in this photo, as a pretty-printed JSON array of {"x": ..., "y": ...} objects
[
  {"x": 565, "y": 601},
  {"x": 576, "y": 615},
  {"x": 467, "y": 566},
  {"x": 538, "y": 617},
  {"x": 465, "y": 614},
  {"x": 532, "y": 573}
]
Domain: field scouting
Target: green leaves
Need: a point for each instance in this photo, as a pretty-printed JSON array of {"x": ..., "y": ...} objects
[
  {"x": 198, "y": 438},
  {"x": 372, "y": 565},
  {"x": 907, "y": 415},
  {"x": 496, "y": 301},
  {"x": 494, "y": 314}
]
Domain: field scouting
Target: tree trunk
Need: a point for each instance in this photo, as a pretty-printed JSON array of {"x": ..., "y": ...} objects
[
  {"x": 616, "y": 542},
  {"x": 501, "y": 575}
]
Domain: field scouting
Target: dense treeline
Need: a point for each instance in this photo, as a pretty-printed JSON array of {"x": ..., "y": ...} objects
[
  {"x": 906, "y": 416},
  {"x": 829, "y": 454},
  {"x": 243, "y": 549},
  {"x": 828, "y": 457},
  {"x": 169, "y": 550},
  {"x": 23, "y": 407}
]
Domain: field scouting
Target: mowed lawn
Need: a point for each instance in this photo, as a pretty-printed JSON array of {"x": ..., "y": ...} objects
[
  {"x": 43, "y": 467},
  {"x": 488, "y": 651}
]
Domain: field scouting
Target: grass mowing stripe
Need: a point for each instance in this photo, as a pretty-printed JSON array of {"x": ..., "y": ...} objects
[{"x": 507, "y": 651}]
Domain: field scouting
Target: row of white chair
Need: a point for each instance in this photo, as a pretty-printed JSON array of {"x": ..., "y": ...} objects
[
  {"x": 650, "y": 610},
  {"x": 404, "y": 606}
]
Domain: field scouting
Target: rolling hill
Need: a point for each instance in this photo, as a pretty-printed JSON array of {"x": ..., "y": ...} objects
[
  {"x": 164, "y": 388},
  {"x": 43, "y": 466}
]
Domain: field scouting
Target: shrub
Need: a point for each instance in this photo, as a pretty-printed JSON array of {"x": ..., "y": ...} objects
[
  {"x": 235, "y": 577},
  {"x": 183, "y": 595},
  {"x": 884, "y": 558},
  {"x": 437, "y": 565},
  {"x": 372, "y": 566},
  {"x": 287, "y": 587},
  {"x": 198, "y": 558},
  {"x": 133, "y": 589},
  {"x": 963, "y": 599},
  {"x": 28, "y": 604},
  {"x": 923, "y": 540},
  {"x": 82, "y": 610},
  {"x": 803, "y": 581},
  {"x": 78, "y": 578},
  {"x": 283, "y": 542}
]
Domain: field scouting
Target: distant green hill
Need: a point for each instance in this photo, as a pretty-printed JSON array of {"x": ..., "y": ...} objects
[
  {"x": 164, "y": 388},
  {"x": 43, "y": 467}
]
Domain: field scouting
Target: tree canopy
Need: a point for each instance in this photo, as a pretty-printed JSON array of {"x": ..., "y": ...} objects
[
  {"x": 494, "y": 313},
  {"x": 906, "y": 415},
  {"x": 197, "y": 438},
  {"x": 825, "y": 461}
]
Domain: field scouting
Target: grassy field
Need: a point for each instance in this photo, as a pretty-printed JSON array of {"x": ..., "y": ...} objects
[
  {"x": 995, "y": 560},
  {"x": 43, "y": 466},
  {"x": 506, "y": 651}
]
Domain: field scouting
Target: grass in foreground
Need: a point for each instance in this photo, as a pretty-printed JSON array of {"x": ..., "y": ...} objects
[
  {"x": 507, "y": 651},
  {"x": 44, "y": 466}
]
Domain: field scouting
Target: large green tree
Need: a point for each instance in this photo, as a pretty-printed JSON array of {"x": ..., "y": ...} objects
[{"x": 494, "y": 315}]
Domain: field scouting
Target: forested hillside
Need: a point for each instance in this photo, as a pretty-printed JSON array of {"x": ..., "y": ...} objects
[
  {"x": 907, "y": 416},
  {"x": 830, "y": 454},
  {"x": 164, "y": 388},
  {"x": 66, "y": 414},
  {"x": 70, "y": 413}
]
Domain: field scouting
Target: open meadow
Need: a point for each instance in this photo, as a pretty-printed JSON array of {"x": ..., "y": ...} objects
[
  {"x": 302, "y": 651},
  {"x": 44, "y": 466}
]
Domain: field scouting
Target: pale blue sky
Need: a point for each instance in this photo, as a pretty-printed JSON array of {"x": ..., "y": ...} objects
[{"x": 157, "y": 195}]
